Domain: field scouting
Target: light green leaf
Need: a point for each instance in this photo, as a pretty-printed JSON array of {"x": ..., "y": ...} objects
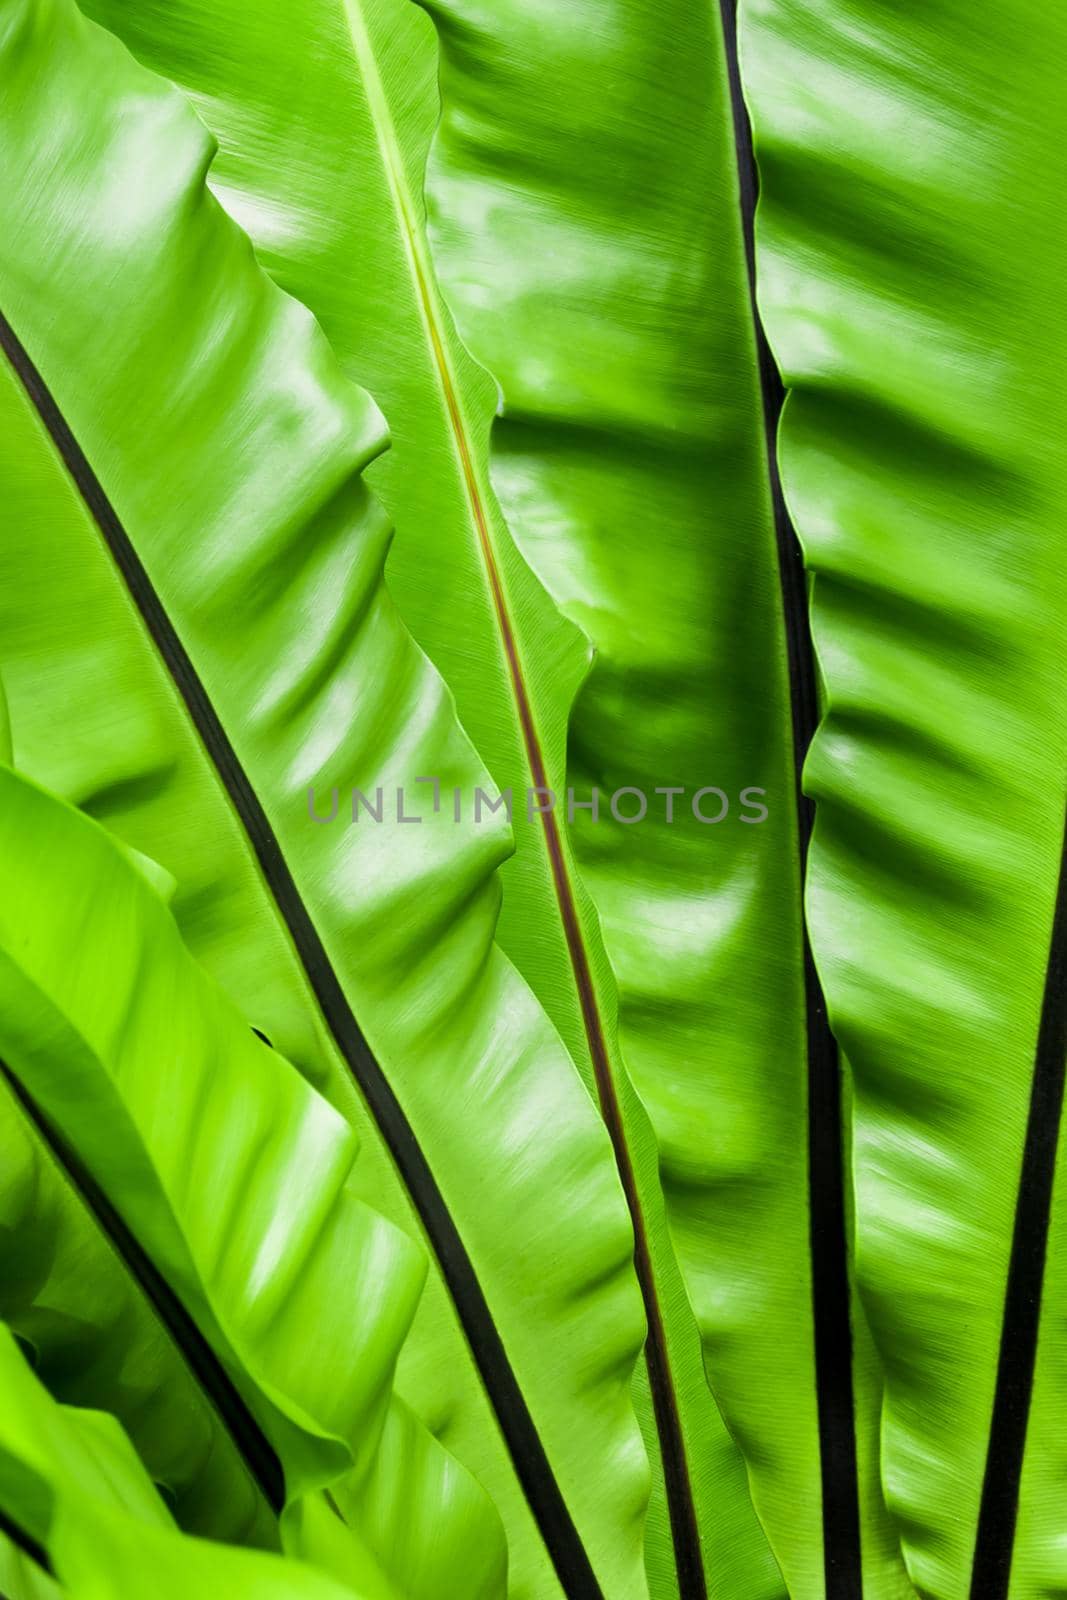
[
  {"x": 98, "y": 1341},
  {"x": 72, "y": 1485},
  {"x": 629, "y": 454},
  {"x": 606, "y": 295},
  {"x": 21, "y": 1578},
  {"x": 193, "y": 593},
  {"x": 911, "y": 256},
  {"x": 231, "y": 1174}
]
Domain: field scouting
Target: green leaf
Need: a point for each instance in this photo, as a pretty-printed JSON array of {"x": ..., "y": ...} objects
[
  {"x": 232, "y": 1176},
  {"x": 607, "y": 297},
  {"x": 193, "y": 594},
  {"x": 629, "y": 454},
  {"x": 911, "y": 248},
  {"x": 21, "y": 1578},
  {"x": 73, "y": 1490},
  {"x": 515, "y": 701},
  {"x": 98, "y": 1340}
]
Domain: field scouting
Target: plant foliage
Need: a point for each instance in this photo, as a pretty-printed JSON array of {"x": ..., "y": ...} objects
[{"x": 532, "y": 998}]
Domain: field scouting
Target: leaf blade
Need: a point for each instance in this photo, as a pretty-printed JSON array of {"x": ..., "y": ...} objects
[
  {"x": 274, "y": 1286},
  {"x": 929, "y": 527},
  {"x": 476, "y": 987}
]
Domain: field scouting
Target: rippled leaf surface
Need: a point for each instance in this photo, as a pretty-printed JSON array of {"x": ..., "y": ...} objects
[
  {"x": 911, "y": 252},
  {"x": 222, "y": 643},
  {"x": 513, "y": 667},
  {"x": 595, "y": 555},
  {"x": 607, "y": 298},
  {"x": 78, "y": 1504},
  {"x": 98, "y": 1341},
  {"x": 229, "y": 1178}
]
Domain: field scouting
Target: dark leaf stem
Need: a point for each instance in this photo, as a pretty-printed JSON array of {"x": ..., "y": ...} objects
[
  {"x": 549, "y": 1509},
  {"x": 826, "y": 1176}
]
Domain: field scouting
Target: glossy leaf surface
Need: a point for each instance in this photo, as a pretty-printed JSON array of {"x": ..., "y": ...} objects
[
  {"x": 97, "y": 1340},
  {"x": 72, "y": 1484},
  {"x": 367, "y": 84},
  {"x": 631, "y": 404},
  {"x": 629, "y": 455},
  {"x": 231, "y": 1173},
  {"x": 215, "y": 446},
  {"x": 910, "y": 262}
]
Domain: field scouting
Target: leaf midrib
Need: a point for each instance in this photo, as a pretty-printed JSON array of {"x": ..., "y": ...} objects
[
  {"x": 994, "y": 1545},
  {"x": 199, "y": 1359},
  {"x": 25, "y": 1543},
  {"x": 505, "y": 1395},
  {"x": 684, "y": 1527}
]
